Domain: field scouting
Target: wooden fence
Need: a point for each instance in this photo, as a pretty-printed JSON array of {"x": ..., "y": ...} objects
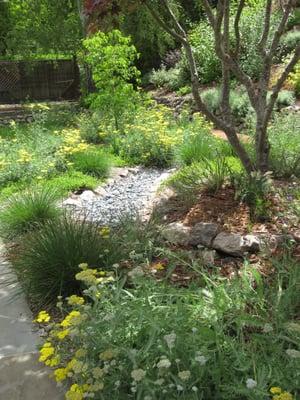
[{"x": 39, "y": 80}]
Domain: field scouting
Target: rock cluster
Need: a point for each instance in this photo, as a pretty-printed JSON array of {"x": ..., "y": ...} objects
[{"x": 209, "y": 235}]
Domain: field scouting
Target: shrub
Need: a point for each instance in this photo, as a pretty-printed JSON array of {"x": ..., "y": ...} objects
[
  {"x": 112, "y": 58},
  {"x": 294, "y": 79},
  {"x": 167, "y": 78},
  {"x": 91, "y": 162},
  {"x": 289, "y": 42},
  {"x": 285, "y": 145},
  {"x": 285, "y": 98},
  {"x": 151, "y": 139},
  {"x": 89, "y": 125},
  {"x": 251, "y": 30},
  {"x": 27, "y": 211},
  {"x": 239, "y": 103},
  {"x": 153, "y": 340},
  {"x": 208, "y": 64}
]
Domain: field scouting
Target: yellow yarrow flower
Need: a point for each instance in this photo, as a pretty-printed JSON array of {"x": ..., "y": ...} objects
[
  {"x": 46, "y": 351},
  {"x": 43, "y": 316},
  {"x": 75, "y": 300},
  {"x": 275, "y": 390},
  {"x": 60, "y": 374},
  {"x": 62, "y": 334},
  {"x": 73, "y": 318}
]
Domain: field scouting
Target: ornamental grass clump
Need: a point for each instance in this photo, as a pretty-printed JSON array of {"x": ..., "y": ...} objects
[
  {"x": 150, "y": 340},
  {"x": 28, "y": 211}
]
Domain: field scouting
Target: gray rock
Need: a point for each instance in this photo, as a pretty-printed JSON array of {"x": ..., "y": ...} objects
[
  {"x": 236, "y": 244},
  {"x": 87, "y": 195},
  {"x": 72, "y": 202},
  {"x": 203, "y": 233},
  {"x": 208, "y": 257},
  {"x": 176, "y": 233}
]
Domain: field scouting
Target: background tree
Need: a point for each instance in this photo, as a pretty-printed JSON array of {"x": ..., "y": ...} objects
[{"x": 223, "y": 19}]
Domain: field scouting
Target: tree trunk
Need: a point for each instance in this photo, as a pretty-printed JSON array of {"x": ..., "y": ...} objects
[{"x": 262, "y": 148}]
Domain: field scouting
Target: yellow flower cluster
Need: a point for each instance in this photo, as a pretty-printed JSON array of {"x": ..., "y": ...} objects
[
  {"x": 24, "y": 156},
  {"x": 75, "y": 300},
  {"x": 279, "y": 394},
  {"x": 43, "y": 316},
  {"x": 3, "y": 164},
  {"x": 104, "y": 232},
  {"x": 73, "y": 318},
  {"x": 72, "y": 142}
]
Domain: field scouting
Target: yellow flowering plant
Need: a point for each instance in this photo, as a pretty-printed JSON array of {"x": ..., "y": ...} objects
[{"x": 149, "y": 339}]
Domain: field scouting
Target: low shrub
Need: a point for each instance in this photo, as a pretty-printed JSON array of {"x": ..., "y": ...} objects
[
  {"x": 239, "y": 103},
  {"x": 294, "y": 79},
  {"x": 91, "y": 162},
  {"x": 150, "y": 139},
  {"x": 289, "y": 42},
  {"x": 285, "y": 145},
  {"x": 89, "y": 126},
  {"x": 27, "y": 211},
  {"x": 155, "y": 341},
  {"x": 166, "y": 78},
  {"x": 285, "y": 98}
]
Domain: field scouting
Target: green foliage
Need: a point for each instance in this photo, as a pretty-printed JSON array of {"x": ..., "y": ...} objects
[
  {"x": 219, "y": 339},
  {"x": 89, "y": 125},
  {"x": 48, "y": 259},
  {"x": 285, "y": 98},
  {"x": 92, "y": 162},
  {"x": 285, "y": 145},
  {"x": 151, "y": 41},
  {"x": 70, "y": 182},
  {"x": 294, "y": 18},
  {"x": 254, "y": 191},
  {"x": 27, "y": 211},
  {"x": 294, "y": 79},
  {"x": 289, "y": 42},
  {"x": 251, "y": 30},
  {"x": 208, "y": 174},
  {"x": 208, "y": 64},
  {"x": 112, "y": 58},
  {"x": 40, "y": 26},
  {"x": 29, "y": 153},
  {"x": 239, "y": 103},
  {"x": 150, "y": 140},
  {"x": 167, "y": 78}
]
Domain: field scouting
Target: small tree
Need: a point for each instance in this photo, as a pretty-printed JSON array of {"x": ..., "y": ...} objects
[
  {"x": 229, "y": 55},
  {"x": 112, "y": 58}
]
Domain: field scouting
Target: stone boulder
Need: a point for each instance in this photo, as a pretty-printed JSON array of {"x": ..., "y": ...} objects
[
  {"x": 176, "y": 233},
  {"x": 236, "y": 244},
  {"x": 203, "y": 233}
]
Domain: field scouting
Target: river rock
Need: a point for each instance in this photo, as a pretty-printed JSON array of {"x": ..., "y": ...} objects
[
  {"x": 176, "y": 233},
  {"x": 203, "y": 233},
  {"x": 236, "y": 244}
]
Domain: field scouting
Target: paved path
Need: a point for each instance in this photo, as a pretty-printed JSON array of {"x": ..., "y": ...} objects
[{"x": 22, "y": 377}]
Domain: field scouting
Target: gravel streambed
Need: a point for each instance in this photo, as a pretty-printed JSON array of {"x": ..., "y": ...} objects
[{"x": 129, "y": 191}]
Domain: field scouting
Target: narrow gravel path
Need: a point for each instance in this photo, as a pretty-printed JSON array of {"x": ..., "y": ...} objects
[{"x": 131, "y": 192}]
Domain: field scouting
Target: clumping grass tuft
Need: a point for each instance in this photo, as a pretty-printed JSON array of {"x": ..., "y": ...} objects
[
  {"x": 48, "y": 259},
  {"x": 92, "y": 162},
  {"x": 27, "y": 211}
]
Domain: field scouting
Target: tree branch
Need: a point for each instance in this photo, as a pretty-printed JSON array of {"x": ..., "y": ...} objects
[
  {"x": 266, "y": 28},
  {"x": 237, "y": 27},
  {"x": 280, "y": 83},
  {"x": 163, "y": 24},
  {"x": 279, "y": 31}
]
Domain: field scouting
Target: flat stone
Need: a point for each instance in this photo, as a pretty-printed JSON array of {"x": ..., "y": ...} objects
[
  {"x": 72, "y": 202},
  {"x": 236, "y": 244},
  {"x": 203, "y": 233},
  {"x": 87, "y": 195},
  {"x": 176, "y": 233}
]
